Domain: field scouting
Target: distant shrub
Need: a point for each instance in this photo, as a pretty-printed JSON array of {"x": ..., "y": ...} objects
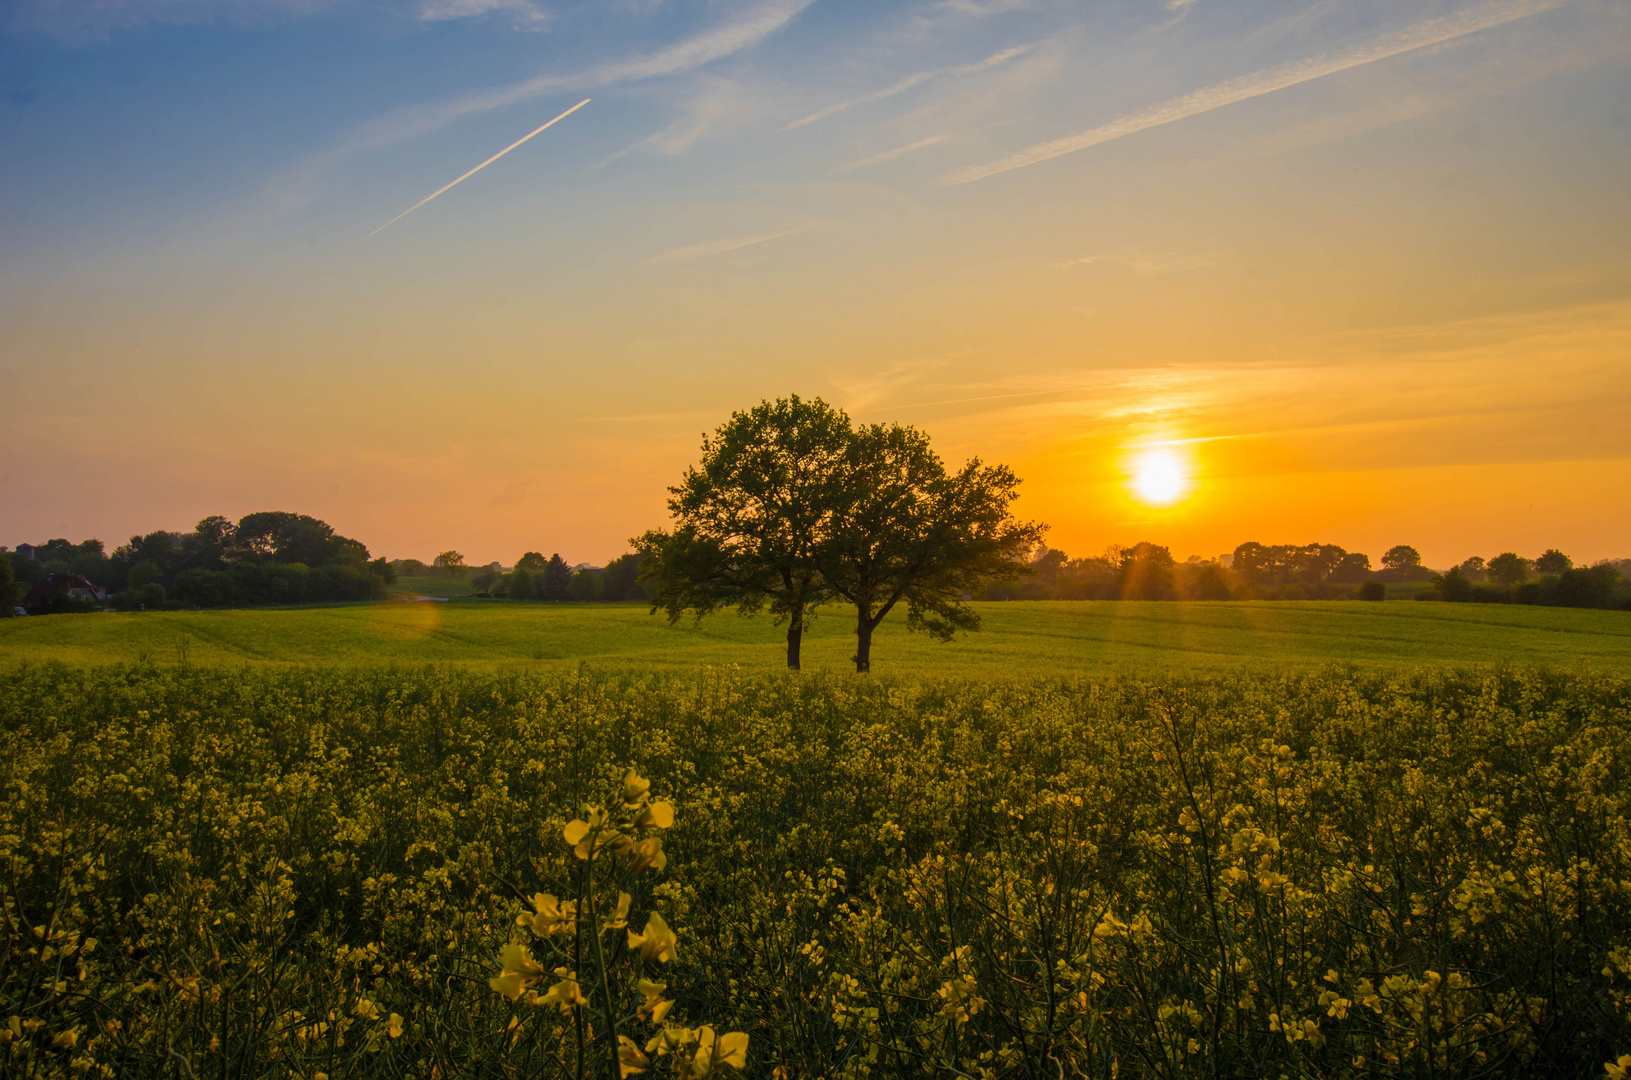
[{"x": 1373, "y": 590}]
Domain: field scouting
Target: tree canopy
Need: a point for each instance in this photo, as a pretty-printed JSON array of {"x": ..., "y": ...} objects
[{"x": 792, "y": 507}]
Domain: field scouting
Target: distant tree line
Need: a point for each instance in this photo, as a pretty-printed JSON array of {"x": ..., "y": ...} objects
[
  {"x": 1552, "y": 579},
  {"x": 1146, "y": 571},
  {"x": 270, "y": 557},
  {"x": 536, "y": 578}
]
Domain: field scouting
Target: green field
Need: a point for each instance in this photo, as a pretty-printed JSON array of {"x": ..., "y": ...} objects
[{"x": 1020, "y": 639}]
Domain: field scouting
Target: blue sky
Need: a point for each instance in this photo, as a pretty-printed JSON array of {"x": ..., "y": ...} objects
[{"x": 1341, "y": 234}]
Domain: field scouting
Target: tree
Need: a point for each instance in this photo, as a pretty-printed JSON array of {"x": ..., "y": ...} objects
[
  {"x": 1373, "y": 590},
  {"x": 621, "y": 579},
  {"x": 750, "y": 519},
  {"x": 521, "y": 584},
  {"x": 904, "y": 529},
  {"x": 8, "y": 587},
  {"x": 1507, "y": 569},
  {"x": 450, "y": 561},
  {"x": 532, "y": 562},
  {"x": 1474, "y": 569},
  {"x": 585, "y": 585},
  {"x": 1453, "y": 586},
  {"x": 556, "y": 578},
  {"x": 1401, "y": 557},
  {"x": 1147, "y": 572},
  {"x": 1553, "y": 561}
]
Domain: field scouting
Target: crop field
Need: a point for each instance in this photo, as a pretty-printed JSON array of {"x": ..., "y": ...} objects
[
  {"x": 270, "y": 871},
  {"x": 1020, "y": 639}
]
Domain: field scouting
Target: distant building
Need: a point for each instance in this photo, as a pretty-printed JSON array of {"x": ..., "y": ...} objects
[
  {"x": 76, "y": 586},
  {"x": 26, "y": 550}
]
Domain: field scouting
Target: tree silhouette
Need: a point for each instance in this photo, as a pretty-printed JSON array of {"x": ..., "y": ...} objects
[
  {"x": 749, "y": 518},
  {"x": 905, "y": 529}
]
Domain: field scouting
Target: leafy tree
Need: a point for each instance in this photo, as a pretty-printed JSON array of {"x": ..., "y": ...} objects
[
  {"x": 531, "y": 562},
  {"x": 905, "y": 529},
  {"x": 482, "y": 584},
  {"x": 1507, "y": 569},
  {"x": 1553, "y": 561},
  {"x": 1588, "y": 586},
  {"x": 1373, "y": 590},
  {"x": 1401, "y": 557},
  {"x": 142, "y": 573},
  {"x": 749, "y": 520},
  {"x": 1452, "y": 585},
  {"x": 452, "y": 562},
  {"x": 556, "y": 579},
  {"x": 210, "y": 543},
  {"x": 1351, "y": 569},
  {"x": 621, "y": 579},
  {"x": 1147, "y": 572},
  {"x": 521, "y": 584},
  {"x": 382, "y": 569},
  {"x": 8, "y": 587},
  {"x": 409, "y": 567},
  {"x": 585, "y": 585}
]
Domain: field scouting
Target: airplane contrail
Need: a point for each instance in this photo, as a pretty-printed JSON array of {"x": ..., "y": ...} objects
[
  {"x": 478, "y": 168},
  {"x": 1420, "y": 36}
]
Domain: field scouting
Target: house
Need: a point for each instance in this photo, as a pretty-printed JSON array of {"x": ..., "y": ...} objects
[{"x": 74, "y": 586}]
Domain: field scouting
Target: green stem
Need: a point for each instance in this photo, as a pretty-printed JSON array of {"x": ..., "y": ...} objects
[{"x": 612, "y": 1069}]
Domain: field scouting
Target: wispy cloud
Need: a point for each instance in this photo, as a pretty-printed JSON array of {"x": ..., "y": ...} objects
[
  {"x": 912, "y": 80},
  {"x": 718, "y": 102},
  {"x": 1420, "y": 36},
  {"x": 895, "y": 153},
  {"x": 719, "y": 247},
  {"x": 522, "y": 11},
  {"x": 732, "y": 37},
  {"x": 1146, "y": 264},
  {"x": 294, "y": 187}
]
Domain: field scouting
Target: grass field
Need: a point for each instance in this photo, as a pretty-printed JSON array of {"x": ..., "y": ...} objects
[
  {"x": 433, "y": 586},
  {"x": 1020, "y": 639}
]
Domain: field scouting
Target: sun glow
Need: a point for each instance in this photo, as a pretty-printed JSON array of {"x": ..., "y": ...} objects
[{"x": 1161, "y": 476}]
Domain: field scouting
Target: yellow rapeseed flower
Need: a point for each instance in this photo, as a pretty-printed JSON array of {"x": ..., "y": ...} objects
[
  {"x": 712, "y": 1051},
  {"x": 635, "y": 788},
  {"x": 567, "y": 993},
  {"x": 517, "y": 971},
  {"x": 630, "y": 1059},
  {"x": 1619, "y": 1070},
  {"x": 648, "y": 852},
  {"x": 548, "y": 915},
  {"x": 658, "y": 942},
  {"x": 619, "y": 918},
  {"x": 653, "y": 1008}
]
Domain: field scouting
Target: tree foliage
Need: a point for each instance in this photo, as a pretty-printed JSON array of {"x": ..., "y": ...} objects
[
  {"x": 792, "y": 507},
  {"x": 749, "y": 520}
]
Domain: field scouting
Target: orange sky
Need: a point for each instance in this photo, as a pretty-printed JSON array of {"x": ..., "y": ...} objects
[{"x": 1388, "y": 303}]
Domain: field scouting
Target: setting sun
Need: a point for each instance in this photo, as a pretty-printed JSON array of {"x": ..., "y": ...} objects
[{"x": 1161, "y": 476}]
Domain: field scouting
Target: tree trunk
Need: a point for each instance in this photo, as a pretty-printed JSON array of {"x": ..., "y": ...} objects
[
  {"x": 863, "y": 641},
  {"x": 795, "y": 638}
]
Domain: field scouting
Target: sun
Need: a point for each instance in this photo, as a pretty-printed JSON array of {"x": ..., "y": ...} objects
[{"x": 1161, "y": 476}]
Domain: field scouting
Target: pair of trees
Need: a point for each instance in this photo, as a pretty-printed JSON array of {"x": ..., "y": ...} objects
[{"x": 793, "y": 507}]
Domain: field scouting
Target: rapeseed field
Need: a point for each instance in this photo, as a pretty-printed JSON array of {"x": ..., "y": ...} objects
[{"x": 430, "y": 872}]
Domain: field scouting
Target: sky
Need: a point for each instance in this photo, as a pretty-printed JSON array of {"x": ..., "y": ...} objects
[{"x": 1362, "y": 268}]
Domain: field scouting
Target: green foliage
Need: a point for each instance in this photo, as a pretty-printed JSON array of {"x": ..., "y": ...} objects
[
  {"x": 9, "y": 592},
  {"x": 555, "y": 581},
  {"x": 750, "y": 519},
  {"x": 532, "y": 561},
  {"x": 520, "y": 585},
  {"x": 1401, "y": 557},
  {"x": 318, "y": 871},
  {"x": 584, "y": 585},
  {"x": 1373, "y": 590},
  {"x": 1553, "y": 561}
]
